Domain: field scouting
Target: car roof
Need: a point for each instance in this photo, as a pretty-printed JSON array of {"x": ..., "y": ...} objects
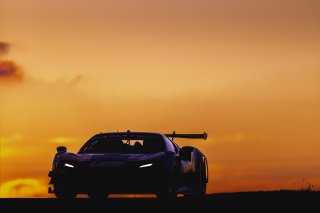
[{"x": 131, "y": 133}]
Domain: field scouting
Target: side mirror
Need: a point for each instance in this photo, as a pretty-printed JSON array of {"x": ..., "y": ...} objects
[
  {"x": 185, "y": 153},
  {"x": 61, "y": 149}
]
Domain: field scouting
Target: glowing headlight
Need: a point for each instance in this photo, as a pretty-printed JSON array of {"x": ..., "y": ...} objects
[
  {"x": 68, "y": 165},
  {"x": 145, "y": 165}
]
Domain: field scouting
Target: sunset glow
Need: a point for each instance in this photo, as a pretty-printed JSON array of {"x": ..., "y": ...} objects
[{"x": 246, "y": 72}]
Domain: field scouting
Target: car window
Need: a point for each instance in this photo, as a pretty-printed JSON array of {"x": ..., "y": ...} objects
[{"x": 121, "y": 143}]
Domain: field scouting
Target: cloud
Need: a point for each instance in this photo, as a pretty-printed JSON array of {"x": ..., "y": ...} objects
[
  {"x": 11, "y": 138},
  {"x": 230, "y": 138},
  {"x": 63, "y": 140},
  {"x": 7, "y": 145},
  {"x": 9, "y": 70},
  {"x": 4, "y": 47},
  {"x": 8, "y": 152},
  {"x": 19, "y": 188},
  {"x": 75, "y": 80},
  {"x": 63, "y": 83}
]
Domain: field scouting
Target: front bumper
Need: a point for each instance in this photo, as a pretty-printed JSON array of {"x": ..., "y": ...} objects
[{"x": 113, "y": 181}]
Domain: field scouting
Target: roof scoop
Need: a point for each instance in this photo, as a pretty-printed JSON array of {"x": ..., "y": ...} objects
[{"x": 61, "y": 149}]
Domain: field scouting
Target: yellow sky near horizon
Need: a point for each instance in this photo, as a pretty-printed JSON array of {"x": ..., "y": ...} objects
[{"x": 247, "y": 72}]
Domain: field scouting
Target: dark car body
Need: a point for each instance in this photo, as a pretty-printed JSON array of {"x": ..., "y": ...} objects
[{"x": 130, "y": 162}]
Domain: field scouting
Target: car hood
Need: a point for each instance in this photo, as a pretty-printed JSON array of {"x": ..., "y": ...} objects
[
  {"x": 108, "y": 157},
  {"x": 110, "y": 160}
]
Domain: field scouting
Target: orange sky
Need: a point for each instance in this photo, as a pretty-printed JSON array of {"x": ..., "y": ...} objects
[{"x": 247, "y": 72}]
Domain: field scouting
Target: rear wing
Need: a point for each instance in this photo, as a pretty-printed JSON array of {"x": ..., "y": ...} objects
[{"x": 200, "y": 136}]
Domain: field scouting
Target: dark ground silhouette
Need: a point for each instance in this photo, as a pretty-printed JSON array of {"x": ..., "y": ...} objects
[{"x": 244, "y": 201}]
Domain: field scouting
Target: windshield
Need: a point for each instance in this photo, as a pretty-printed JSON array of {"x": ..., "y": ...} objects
[{"x": 125, "y": 144}]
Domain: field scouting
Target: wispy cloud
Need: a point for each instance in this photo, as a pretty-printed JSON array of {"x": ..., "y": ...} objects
[
  {"x": 232, "y": 138},
  {"x": 4, "y": 48},
  {"x": 9, "y": 70},
  {"x": 11, "y": 138},
  {"x": 20, "y": 188},
  {"x": 64, "y": 140},
  {"x": 75, "y": 80},
  {"x": 7, "y": 150}
]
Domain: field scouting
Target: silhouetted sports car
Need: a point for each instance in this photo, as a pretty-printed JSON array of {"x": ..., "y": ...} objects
[{"x": 130, "y": 163}]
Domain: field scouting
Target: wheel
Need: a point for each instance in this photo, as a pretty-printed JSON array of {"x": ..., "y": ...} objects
[
  {"x": 200, "y": 183},
  {"x": 98, "y": 195},
  {"x": 64, "y": 192}
]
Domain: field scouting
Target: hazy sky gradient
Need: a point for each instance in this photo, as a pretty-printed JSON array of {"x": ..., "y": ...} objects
[{"x": 247, "y": 72}]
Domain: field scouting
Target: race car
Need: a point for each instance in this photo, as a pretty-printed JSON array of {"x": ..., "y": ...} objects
[{"x": 130, "y": 163}]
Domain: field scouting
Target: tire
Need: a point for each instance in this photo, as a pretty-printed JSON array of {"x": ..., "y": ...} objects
[
  {"x": 200, "y": 183},
  {"x": 63, "y": 192}
]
